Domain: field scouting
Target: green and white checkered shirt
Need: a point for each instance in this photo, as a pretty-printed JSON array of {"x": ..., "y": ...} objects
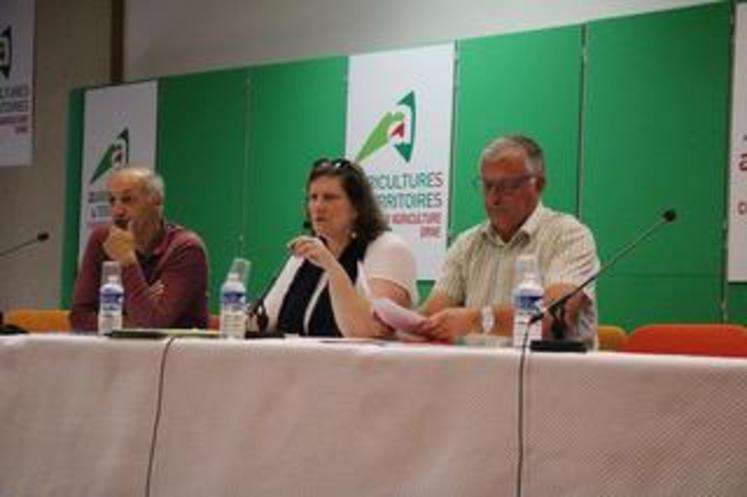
[{"x": 479, "y": 266}]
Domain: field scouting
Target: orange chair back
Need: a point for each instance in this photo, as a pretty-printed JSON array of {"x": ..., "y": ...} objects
[
  {"x": 611, "y": 337},
  {"x": 39, "y": 320},
  {"x": 214, "y": 322},
  {"x": 726, "y": 340}
]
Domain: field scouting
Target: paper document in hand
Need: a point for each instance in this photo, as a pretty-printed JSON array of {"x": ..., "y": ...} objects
[{"x": 396, "y": 316}]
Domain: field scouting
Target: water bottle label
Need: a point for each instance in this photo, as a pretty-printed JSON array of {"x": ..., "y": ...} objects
[
  {"x": 111, "y": 300},
  {"x": 525, "y": 306},
  {"x": 528, "y": 303},
  {"x": 233, "y": 298}
]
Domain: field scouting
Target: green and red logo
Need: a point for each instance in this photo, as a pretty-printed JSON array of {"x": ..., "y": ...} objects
[
  {"x": 6, "y": 52},
  {"x": 395, "y": 128},
  {"x": 117, "y": 155}
]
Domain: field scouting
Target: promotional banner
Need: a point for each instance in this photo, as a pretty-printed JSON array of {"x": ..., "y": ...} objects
[
  {"x": 119, "y": 129},
  {"x": 16, "y": 81},
  {"x": 738, "y": 157},
  {"x": 399, "y": 130}
]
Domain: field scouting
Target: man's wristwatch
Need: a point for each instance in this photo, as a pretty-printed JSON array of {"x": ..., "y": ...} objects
[{"x": 487, "y": 319}]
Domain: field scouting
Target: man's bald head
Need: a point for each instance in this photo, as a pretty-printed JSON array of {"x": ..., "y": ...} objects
[{"x": 145, "y": 178}]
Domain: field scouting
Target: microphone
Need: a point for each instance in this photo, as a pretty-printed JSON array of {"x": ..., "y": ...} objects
[
  {"x": 39, "y": 238},
  {"x": 257, "y": 308},
  {"x": 9, "y": 329},
  {"x": 556, "y": 308}
]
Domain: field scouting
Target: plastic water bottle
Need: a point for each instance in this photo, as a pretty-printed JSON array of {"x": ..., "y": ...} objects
[
  {"x": 233, "y": 307},
  {"x": 111, "y": 300},
  {"x": 527, "y": 300}
]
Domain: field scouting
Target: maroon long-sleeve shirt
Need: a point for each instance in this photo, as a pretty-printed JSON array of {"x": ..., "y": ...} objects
[{"x": 179, "y": 262}]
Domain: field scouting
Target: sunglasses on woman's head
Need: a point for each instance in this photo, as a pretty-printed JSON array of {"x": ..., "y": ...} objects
[{"x": 332, "y": 163}]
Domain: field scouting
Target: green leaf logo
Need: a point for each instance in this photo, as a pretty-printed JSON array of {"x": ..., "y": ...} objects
[
  {"x": 396, "y": 128},
  {"x": 117, "y": 155}
]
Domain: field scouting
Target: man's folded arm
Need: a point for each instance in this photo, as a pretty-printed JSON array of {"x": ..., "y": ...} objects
[{"x": 184, "y": 281}]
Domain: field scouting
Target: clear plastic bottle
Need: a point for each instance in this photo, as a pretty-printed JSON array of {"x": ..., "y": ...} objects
[
  {"x": 233, "y": 307},
  {"x": 111, "y": 301},
  {"x": 527, "y": 300}
]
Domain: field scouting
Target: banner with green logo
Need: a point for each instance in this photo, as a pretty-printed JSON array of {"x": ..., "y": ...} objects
[
  {"x": 399, "y": 119},
  {"x": 119, "y": 128},
  {"x": 16, "y": 81},
  {"x": 738, "y": 164}
]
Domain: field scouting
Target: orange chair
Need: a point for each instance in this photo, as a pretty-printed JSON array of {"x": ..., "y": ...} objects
[
  {"x": 214, "y": 322},
  {"x": 39, "y": 320},
  {"x": 725, "y": 340},
  {"x": 611, "y": 337}
]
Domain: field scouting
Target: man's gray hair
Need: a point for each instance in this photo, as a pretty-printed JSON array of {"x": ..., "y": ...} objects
[
  {"x": 534, "y": 158},
  {"x": 155, "y": 185},
  {"x": 151, "y": 181}
]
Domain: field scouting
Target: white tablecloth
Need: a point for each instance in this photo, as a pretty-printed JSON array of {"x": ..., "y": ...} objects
[
  {"x": 76, "y": 415},
  {"x": 293, "y": 418},
  {"x": 614, "y": 424},
  {"x": 333, "y": 419}
]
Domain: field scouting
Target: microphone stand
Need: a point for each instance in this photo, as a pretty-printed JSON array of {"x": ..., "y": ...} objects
[
  {"x": 556, "y": 308},
  {"x": 11, "y": 329},
  {"x": 257, "y": 309},
  {"x": 41, "y": 237}
]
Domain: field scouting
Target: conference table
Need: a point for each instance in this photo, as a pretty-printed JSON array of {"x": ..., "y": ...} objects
[{"x": 90, "y": 416}]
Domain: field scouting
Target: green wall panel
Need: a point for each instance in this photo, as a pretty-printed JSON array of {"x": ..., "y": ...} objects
[
  {"x": 297, "y": 114},
  {"x": 201, "y": 155},
  {"x": 527, "y": 83},
  {"x": 737, "y": 303},
  {"x": 74, "y": 164},
  {"x": 631, "y": 301},
  {"x": 655, "y": 137}
]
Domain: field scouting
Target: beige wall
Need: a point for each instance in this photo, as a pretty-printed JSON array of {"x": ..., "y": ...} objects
[
  {"x": 194, "y": 35},
  {"x": 71, "y": 49}
]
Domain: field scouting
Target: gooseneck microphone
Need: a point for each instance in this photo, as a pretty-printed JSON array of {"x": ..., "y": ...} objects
[
  {"x": 556, "y": 308},
  {"x": 39, "y": 238},
  {"x": 257, "y": 308},
  {"x": 9, "y": 329}
]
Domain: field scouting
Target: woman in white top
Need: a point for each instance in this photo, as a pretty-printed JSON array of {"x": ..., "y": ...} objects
[{"x": 349, "y": 259}]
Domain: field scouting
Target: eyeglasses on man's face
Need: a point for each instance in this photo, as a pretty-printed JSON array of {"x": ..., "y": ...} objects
[{"x": 505, "y": 185}]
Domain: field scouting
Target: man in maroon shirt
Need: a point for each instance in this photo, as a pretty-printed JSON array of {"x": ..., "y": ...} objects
[{"x": 164, "y": 266}]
